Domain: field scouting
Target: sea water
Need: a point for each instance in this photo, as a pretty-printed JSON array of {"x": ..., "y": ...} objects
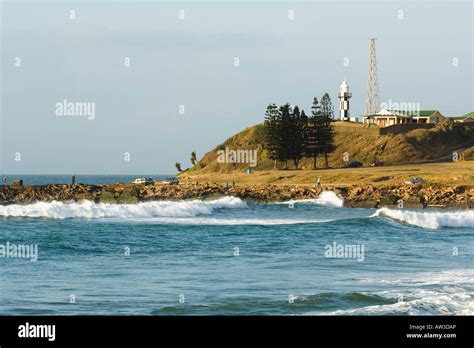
[{"x": 230, "y": 257}]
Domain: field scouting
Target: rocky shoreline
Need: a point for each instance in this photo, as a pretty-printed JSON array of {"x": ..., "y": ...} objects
[{"x": 415, "y": 196}]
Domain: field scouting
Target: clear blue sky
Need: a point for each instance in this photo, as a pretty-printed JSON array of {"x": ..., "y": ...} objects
[{"x": 190, "y": 62}]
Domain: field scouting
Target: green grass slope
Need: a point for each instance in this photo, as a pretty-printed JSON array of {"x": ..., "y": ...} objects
[{"x": 361, "y": 143}]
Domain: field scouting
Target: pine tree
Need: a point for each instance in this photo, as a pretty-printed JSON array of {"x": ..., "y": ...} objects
[
  {"x": 271, "y": 132},
  {"x": 298, "y": 135},
  {"x": 324, "y": 128},
  {"x": 284, "y": 133},
  {"x": 312, "y": 149}
]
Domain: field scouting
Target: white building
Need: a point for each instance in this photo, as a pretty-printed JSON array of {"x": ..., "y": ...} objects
[{"x": 385, "y": 118}]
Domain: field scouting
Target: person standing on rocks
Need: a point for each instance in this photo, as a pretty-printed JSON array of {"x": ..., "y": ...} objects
[
  {"x": 73, "y": 180},
  {"x": 5, "y": 179},
  {"x": 318, "y": 183}
]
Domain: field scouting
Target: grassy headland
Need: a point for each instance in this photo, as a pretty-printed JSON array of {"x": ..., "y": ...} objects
[
  {"x": 404, "y": 156},
  {"x": 425, "y": 153}
]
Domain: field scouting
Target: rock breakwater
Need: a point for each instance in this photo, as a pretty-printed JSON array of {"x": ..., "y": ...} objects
[{"x": 417, "y": 196}]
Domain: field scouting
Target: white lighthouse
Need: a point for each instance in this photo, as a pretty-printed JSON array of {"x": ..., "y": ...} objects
[{"x": 344, "y": 96}]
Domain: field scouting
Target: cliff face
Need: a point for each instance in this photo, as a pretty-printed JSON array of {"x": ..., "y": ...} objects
[
  {"x": 362, "y": 144},
  {"x": 416, "y": 196}
]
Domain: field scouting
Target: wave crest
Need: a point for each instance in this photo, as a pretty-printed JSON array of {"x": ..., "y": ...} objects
[
  {"x": 430, "y": 293},
  {"x": 432, "y": 220},
  {"x": 328, "y": 198},
  {"x": 88, "y": 209}
]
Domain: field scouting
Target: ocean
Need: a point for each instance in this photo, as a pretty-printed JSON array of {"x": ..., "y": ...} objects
[{"x": 230, "y": 257}]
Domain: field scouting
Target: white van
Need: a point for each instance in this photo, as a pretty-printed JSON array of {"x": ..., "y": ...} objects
[{"x": 139, "y": 181}]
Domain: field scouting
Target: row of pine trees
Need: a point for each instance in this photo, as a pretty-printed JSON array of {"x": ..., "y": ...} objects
[{"x": 291, "y": 135}]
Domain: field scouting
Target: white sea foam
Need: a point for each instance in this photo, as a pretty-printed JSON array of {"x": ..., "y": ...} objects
[
  {"x": 431, "y": 220},
  {"x": 328, "y": 198},
  {"x": 417, "y": 302},
  {"x": 227, "y": 221},
  {"x": 451, "y": 277},
  {"x": 88, "y": 209},
  {"x": 447, "y": 300},
  {"x": 430, "y": 293}
]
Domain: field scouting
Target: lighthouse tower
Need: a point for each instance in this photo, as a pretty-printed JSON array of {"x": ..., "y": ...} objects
[{"x": 344, "y": 96}]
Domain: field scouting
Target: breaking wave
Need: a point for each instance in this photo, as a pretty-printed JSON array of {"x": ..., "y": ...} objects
[
  {"x": 452, "y": 277},
  {"x": 431, "y": 293},
  {"x": 88, "y": 209},
  {"x": 432, "y": 220},
  {"x": 417, "y": 302},
  {"x": 328, "y": 198}
]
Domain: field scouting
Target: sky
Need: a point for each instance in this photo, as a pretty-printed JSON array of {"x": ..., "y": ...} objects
[{"x": 163, "y": 82}]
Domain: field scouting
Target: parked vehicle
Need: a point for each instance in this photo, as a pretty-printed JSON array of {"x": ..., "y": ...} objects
[
  {"x": 376, "y": 164},
  {"x": 172, "y": 181},
  {"x": 415, "y": 181},
  {"x": 139, "y": 181},
  {"x": 143, "y": 181},
  {"x": 354, "y": 164}
]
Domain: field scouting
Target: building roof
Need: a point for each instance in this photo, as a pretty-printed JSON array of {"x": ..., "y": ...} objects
[
  {"x": 469, "y": 114},
  {"x": 401, "y": 113},
  {"x": 460, "y": 118},
  {"x": 427, "y": 113}
]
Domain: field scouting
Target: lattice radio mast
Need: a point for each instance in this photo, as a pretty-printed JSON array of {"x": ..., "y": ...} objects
[{"x": 372, "y": 98}]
